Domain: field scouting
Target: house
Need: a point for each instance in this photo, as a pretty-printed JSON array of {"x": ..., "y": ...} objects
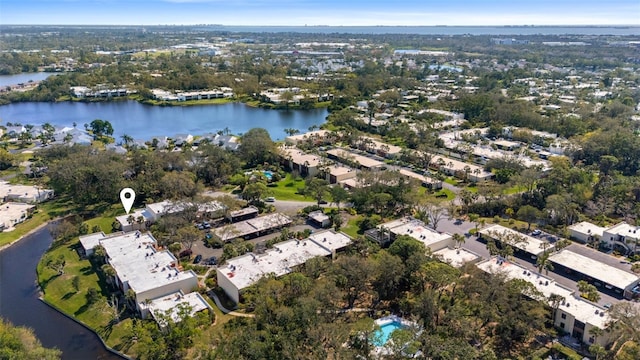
[
  {"x": 586, "y": 232},
  {"x": 24, "y": 193},
  {"x": 602, "y": 275},
  {"x": 574, "y": 315},
  {"x": 354, "y": 159},
  {"x": 12, "y": 213},
  {"x": 299, "y": 161},
  {"x": 622, "y": 237},
  {"x": 319, "y": 218},
  {"x": 247, "y": 213},
  {"x": 337, "y": 173},
  {"x": 118, "y": 149},
  {"x": 181, "y": 139},
  {"x": 253, "y": 227},
  {"x": 170, "y": 305},
  {"x": 243, "y": 271},
  {"x": 141, "y": 267},
  {"x": 527, "y": 246},
  {"x": 386, "y": 233},
  {"x": 316, "y": 136}
]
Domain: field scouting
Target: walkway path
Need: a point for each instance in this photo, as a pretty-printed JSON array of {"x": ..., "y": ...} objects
[{"x": 225, "y": 310}]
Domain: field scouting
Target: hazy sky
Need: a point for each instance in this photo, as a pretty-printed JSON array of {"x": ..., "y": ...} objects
[{"x": 322, "y": 12}]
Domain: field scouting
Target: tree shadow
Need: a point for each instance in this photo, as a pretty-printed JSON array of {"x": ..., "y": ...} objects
[
  {"x": 87, "y": 270},
  {"x": 68, "y": 295},
  {"x": 82, "y": 309},
  {"x": 44, "y": 283}
]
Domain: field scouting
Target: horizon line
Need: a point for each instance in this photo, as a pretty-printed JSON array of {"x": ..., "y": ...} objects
[{"x": 340, "y": 26}]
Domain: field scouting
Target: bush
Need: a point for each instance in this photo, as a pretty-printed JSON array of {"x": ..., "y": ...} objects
[
  {"x": 496, "y": 219},
  {"x": 352, "y": 211},
  {"x": 92, "y": 296}
]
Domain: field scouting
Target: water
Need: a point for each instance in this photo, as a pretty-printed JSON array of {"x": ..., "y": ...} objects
[
  {"x": 438, "y": 30},
  {"x": 146, "y": 121},
  {"x": 6, "y": 80},
  {"x": 383, "y": 335},
  {"x": 19, "y": 302}
]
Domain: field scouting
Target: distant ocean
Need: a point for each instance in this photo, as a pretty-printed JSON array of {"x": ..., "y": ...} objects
[{"x": 436, "y": 30}]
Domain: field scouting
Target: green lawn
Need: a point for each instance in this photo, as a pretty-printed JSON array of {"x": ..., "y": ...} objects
[
  {"x": 44, "y": 213},
  {"x": 59, "y": 291},
  {"x": 287, "y": 188},
  {"x": 514, "y": 190},
  {"x": 451, "y": 181},
  {"x": 351, "y": 228},
  {"x": 106, "y": 218}
]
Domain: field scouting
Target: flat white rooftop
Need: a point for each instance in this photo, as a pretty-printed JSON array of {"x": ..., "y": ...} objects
[
  {"x": 456, "y": 257},
  {"x": 308, "y": 135},
  {"x": 362, "y": 160},
  {"x": 124, "y": 219},
  {"x": 245, "y": 270},
  {"x": 586, "y": 227},
  {"x": 169, "y": 304},
  {"x": 581, "y": 309},
  {"x": 137, "y": 262},
  {"x": 11, "y": 212},
  {"x": 530, "y": 244},
  {"x": 252, "y": 226},
  {"x": 595, "y": 269},
  {"x": 90, "y": 241},
  {"x": 417, "y": 230}
]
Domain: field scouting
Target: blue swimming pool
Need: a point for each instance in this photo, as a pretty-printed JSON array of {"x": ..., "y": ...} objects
[
  {"x": 383, "y": 335},
  {"x": 268, "y": 174}
]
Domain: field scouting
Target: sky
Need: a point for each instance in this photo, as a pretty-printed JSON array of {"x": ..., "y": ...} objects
[{"x": 321, "y": 12}]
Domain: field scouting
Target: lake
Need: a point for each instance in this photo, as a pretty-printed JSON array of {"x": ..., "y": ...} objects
[
  {"x": 146, "y": 121},
  {"x": 6, "y": 80},
  {"x": 20, "y": 304}
]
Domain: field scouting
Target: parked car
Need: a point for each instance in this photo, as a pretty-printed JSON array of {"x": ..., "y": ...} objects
[
  {"x": 210, "y": 261},
  {"x": 197, "y": 259},
  {"x": 186, "y": 253},
  {"x": 270, "y": 199},
  {"x": 536, "y": 232}
]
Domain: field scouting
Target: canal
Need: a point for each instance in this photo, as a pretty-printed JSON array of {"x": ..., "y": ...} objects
[{"x": 20, "y": 303}]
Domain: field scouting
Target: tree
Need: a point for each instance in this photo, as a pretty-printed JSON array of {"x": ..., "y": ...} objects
[
  {"x": 175, "y": 248},
  {"x": 317, "y": 189},
  {"x": 92, "y": 296},
  {"x": 291, "y": 131},
  {"x": 257, "y": 148},
  {"x": 339, "y": 195},
  {"x": 56, "y": 264},
  {"x": 351, "y": 274},
  {"x": 101, "y": 128},
  {"x": 405, "y": 246},
  {"x": 458, "y": 239},
  {"x": 528, "y": 214},
  {"x": 126, "y": 140},
  {"x": 21, "y": 343},
  {"x": 624, "y": 326},
  {"x": 598, "y": 351},
  {"x": 543, "y": 262},
  {"x": 588, "y": 291},
  {"x": 187, "y": 236}
]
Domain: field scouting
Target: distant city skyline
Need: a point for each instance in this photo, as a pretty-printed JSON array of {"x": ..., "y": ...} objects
[{"x": 313, "y": 13}]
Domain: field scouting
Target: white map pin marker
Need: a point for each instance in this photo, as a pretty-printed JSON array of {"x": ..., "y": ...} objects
[{"x": 127, "y": 196}]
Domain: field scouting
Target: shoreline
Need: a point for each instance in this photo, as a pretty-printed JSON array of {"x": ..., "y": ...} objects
[
  {"x": 206, "y": 102},
  {"x": 37, "y": 228}
]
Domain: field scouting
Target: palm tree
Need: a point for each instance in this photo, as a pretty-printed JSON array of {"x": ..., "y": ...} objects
[
  {"x": 543, "y": 262},
  {"x": 126, "y": 140},
  {"x": 109, "y": 272},
  {"x": 458, "y": 239}
]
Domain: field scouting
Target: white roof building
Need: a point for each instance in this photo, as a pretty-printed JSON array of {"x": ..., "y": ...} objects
[
  {"x": 243, "y": 271},
  {"x": 170, "y": 305},
  {"x": 575, "y": 315},
  {"x": 529, "y": 244},
  {"x": 586, "y": 232},
  {"x": 252, "y": 227},
  {"x": 12, "y": 214},
  {"x": 139, "y": 266},
  {"x": 597, "y": 272},
  {"x": 24, "y": 193}
]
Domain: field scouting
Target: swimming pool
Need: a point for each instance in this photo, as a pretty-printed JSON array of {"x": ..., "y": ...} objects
[
  {"x": 268, "y": 174},
  {"x": 382, "y": 336}
]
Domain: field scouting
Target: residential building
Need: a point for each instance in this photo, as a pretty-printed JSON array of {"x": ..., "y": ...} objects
[
  {"x": 351, "y": 158},
  {"x": 141, "y": 267},
  {"x": 528, "y": 246},
  {"x": 586, "y": 232},
  {"x": 597, "y": 273},
  {"x": 319, "y": 218},
  {"x": 243, "y": 271},
  {"x": 247, "y": 213},
  {"x": 301, "y": 162},
  {"x": 24, "y": 193},
  {"x": 622, "y": 237},
  {"x": 387, "y": 233},
  {"x": 574, "y": 315},
  {"x": 253, "y": 227},
  {"x": 13, "y": 213}
]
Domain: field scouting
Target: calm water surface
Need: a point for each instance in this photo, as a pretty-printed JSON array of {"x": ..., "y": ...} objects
[
  {"x": 145, "y": 121},
  {"x": 19, "y": 302},
  {"x": 6, "y": 80}
]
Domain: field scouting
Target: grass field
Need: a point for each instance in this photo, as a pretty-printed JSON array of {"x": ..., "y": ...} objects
[
  {"x": 60, "y": 292},
  {"x": 351, "y": 228},
  {"x": 287, "y": 188}
]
